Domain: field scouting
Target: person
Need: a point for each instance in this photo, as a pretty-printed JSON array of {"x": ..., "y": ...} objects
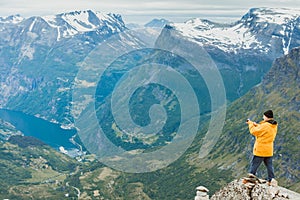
[{"x": 265, "y": 133}]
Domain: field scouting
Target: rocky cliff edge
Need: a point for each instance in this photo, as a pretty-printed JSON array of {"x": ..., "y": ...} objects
[{"x": 237, "y": 190}]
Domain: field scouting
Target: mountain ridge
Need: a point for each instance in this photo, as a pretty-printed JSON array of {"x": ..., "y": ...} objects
[{"x": 72, "y": 23}]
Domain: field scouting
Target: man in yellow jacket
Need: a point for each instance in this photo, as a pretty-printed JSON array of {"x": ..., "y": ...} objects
[{"x": 265, "y": 133}]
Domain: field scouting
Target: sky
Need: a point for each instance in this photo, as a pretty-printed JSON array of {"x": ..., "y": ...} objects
[{"x": 143, "y": 11}]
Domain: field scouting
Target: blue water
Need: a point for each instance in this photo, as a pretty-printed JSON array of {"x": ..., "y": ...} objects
[{"x": 50, "y": 133}]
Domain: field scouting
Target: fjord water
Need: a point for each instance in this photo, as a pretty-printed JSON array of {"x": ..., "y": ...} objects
[{"x": 48, "y": 132}]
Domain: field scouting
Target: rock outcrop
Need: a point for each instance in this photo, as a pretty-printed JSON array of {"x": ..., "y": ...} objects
[{"x": 237, "y": 190}]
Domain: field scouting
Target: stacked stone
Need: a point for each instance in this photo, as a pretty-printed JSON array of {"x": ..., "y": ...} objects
[{"x": 201, "y": 193}]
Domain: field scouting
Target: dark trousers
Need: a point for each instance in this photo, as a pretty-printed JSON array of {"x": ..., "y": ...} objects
[{"x": 257, "y": 160}]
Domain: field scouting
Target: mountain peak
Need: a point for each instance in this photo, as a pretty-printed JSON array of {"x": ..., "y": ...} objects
[
  {"x": 202, "y": 24},
  {"x": 271, "y": 15},
  {"x": 72, "y": 23},
  {"x": 85, "y": 14},
  {"x": 157, "y": 23}
]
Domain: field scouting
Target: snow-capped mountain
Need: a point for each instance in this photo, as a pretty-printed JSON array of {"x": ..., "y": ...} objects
[
  {"x": 259, "y": 29},
  {"x": 244, "y": 50},
  {"x": 39, "y": 56},
  {"x": 69, "y": 24},
  {"x": 63, "y": 25}
]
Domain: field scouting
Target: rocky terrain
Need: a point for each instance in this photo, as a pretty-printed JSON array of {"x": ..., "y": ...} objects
[{"x": 237, "y": 190}]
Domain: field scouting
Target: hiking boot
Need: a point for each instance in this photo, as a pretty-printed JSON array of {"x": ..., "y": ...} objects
[
  {"x": 273, "y": 183},
  {"x": 262, "y": 181},
  {"x": 251, "y": 175}
]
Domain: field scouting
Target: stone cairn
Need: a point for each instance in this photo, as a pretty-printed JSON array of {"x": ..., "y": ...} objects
[{"x": 201, "y": 193}]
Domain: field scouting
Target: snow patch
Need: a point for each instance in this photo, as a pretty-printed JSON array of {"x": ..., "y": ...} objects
[
  {"x": 79, "y": 21},
  {"x": 84, "y": 83},
  {"x": 31, "y": 25}
]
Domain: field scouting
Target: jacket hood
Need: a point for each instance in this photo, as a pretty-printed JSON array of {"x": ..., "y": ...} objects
[{"x": 273, "y": 122}]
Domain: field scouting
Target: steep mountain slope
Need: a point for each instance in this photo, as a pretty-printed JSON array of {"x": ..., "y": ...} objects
[
  {"x": 279, "y": 91},
  {"x": 245, "y": 50}
]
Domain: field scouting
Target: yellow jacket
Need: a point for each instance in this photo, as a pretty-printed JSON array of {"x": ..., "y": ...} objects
[{"x": 265, "y": 133}]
